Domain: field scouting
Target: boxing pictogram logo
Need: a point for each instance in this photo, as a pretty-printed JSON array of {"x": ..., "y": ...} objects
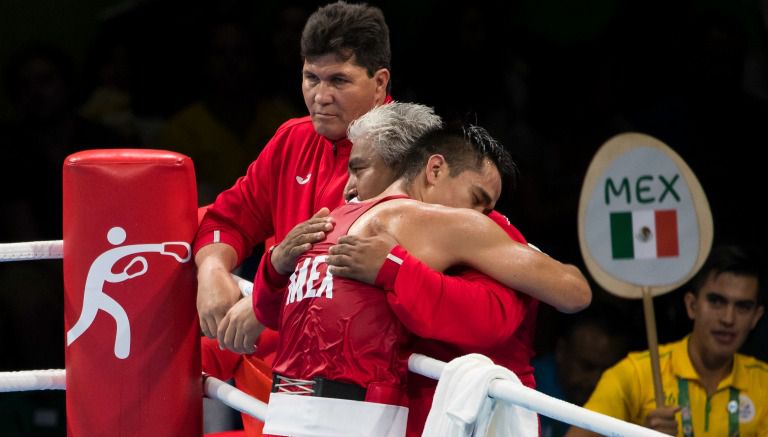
[{"x": 94, "y": 298}]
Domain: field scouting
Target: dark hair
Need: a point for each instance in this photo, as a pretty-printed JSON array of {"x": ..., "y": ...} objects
[
  {"x": 464, "y": 149},
  {"x": 729, "y": 259},
  {"x": 348, "y": 30},
  {"x": 604, "y": 317}
]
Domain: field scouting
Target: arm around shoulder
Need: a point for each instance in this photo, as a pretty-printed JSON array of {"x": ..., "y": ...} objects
[
  {"x": 577, "y": 293},
  {"x": 470, "y": 310},
  {"x": 482, "y": 244}
]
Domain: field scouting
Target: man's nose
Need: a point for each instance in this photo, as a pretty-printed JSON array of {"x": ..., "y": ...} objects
[
  {"x": 323, "y": 93},
  {"x": 728, "y": 314}
]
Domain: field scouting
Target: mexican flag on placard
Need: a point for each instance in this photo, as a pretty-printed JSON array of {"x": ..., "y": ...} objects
[{"x": 645, "y": 234}]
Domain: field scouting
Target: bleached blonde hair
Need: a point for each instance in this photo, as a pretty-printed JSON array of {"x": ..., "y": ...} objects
[{"x": 393, "y": 128}]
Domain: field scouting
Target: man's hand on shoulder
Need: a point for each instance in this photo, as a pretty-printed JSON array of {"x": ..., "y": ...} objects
[
  {"x": 360, "y": 258},
  {"x": 299, "y": 240}
]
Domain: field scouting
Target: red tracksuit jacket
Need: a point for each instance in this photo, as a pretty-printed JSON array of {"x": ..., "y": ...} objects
[{"x": 296, "y": 174}]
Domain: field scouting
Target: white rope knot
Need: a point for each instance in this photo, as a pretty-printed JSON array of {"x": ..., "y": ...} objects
[{"x": 291, "y": 386}]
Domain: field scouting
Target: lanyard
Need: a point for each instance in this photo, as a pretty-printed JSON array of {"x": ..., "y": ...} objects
[{"x": 685, "y": 411}]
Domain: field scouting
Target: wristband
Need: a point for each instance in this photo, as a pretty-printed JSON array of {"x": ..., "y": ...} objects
[
  {"x": 389, "y": 270},
  {"x": 273, "y": 277}
]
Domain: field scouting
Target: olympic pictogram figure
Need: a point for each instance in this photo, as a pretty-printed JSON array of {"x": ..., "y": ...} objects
[{"x": 100, "y": 272}]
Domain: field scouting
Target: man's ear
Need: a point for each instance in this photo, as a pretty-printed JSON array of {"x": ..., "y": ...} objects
[
  {"x": 381, "y": 78},
  {"x": 690, "y": 305},
  {"x": 436, "y": 168}
]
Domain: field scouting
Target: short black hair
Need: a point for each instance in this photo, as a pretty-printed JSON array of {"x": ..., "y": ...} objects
[
  {"x": 730, "y": 259},
  {"x": 348, "y": 30},
  {"x": 463, "y": 148}
]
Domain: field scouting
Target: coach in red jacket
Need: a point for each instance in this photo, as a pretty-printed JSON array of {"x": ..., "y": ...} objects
[{"x": 304, "y": 166}]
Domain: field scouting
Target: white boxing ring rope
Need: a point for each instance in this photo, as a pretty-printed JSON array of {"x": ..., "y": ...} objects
[
  {"x": 33, "y": 250},
  {"x": 54, "y": 249},
  {"x": 33, "y": 380},
  {"x": 55, "y": 379},
  {"x": 216, "y": 389},
  {"x": 230, "y": 396},
  {"x": 533, "y": 400}
]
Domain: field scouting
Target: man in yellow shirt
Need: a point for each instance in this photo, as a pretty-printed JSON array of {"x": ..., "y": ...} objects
[{"x": 710, "y": 389}]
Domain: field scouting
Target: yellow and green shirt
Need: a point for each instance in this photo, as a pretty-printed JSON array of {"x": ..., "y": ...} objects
[{"x": 625, "y": 391}]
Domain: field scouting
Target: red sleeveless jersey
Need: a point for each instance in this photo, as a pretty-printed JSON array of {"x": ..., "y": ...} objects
[{"x": 338, "y": 328}]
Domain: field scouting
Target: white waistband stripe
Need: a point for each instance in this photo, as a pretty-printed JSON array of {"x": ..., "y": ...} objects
[{"x": 310, "y": 416}]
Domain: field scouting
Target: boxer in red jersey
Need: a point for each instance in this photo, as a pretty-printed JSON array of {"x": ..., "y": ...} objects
[
  {"x": 342, "y": 331},
  {"x": 474, "y": 177}
]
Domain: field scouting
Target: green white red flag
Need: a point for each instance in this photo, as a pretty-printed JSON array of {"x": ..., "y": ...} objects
[{"x": 644, "y": 234}]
